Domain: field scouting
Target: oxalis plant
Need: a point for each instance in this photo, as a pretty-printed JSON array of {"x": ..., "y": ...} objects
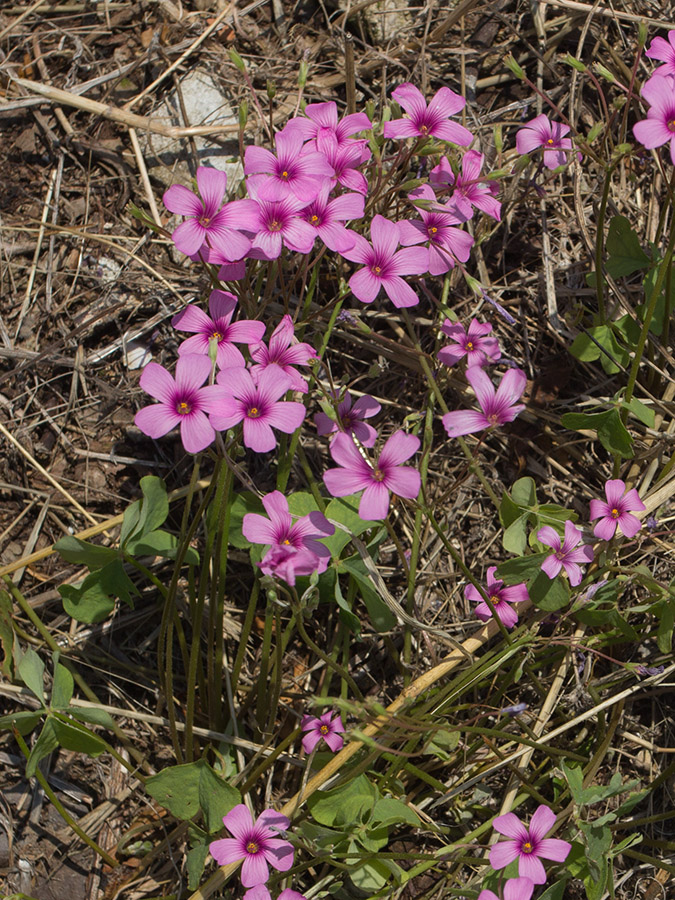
[{"x": 335, "y": 497}]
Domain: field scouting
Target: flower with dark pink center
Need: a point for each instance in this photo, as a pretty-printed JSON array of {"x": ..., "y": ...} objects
[
  {"x": 376, "y": 481},
  {"x": 500, "y": 597},
  {"x": 468, "y": 188},
  {"x": 567, "y": 554},
  {"x": 327, "y": 217},
  {"x": 473, "y": 343},
  {"x": 327, "y": 727},
  {"x": 283, "y": 351},
  {"x": 321, "y": 125},
  {"x": 205, "y": 221},
  {"x": 659, "y": 126},
  {"x": 528, "y": 845},
  {"x": 616, "y": 512},
  {"x": 383, "y": 267},
  {"x": 541, "y": 132},
  {"x": 446, "y": 243},
  {"x": 497, "y": 407},
  {"x": 276, "y": 223},
  {"x": 350, "y": 419},
  {"x": 295, "y": 171},
  {"x": 217, "y": 328},
  {"x": 257, "y": 405},
  {"x": 182, "y": 401},
  {"x": 431, "y": 120},
  {"x": 258, "y": 843}
]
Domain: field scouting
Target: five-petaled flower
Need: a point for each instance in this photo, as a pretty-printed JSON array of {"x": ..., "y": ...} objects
[
  {"x": 659, "y": 126},
  {"x": 257, "y": 843},
  {"x": 616, "y": 511},
  {"x": 350, "y": 419},
  {"x": 383, "y": 266},
  {"x": 497, "y": 407},
  {"x": 436, "y": 225},
  {"x": 527, "y": 845},
  {"x": 473, "y": 343},
  {"x": 257, "y": 404},
  {"x": 376, "y": 481},
  {"x": 468, "y": 188},
  {"x": 296, "y": 170},
  {"x": 182, "y": 401},
  {"x": 219, "y": 328},
  {"x": 205, "y": 221},
  {"x": 541, "y": 132},
  {"x": 500, "y": 597},
  {"x": 514, "y": 889},
  {"x": 428, "y": 120},
  {"x": 283, "y": 351},
  {"x": 567, "y": 554},
  {"x": 328, "y": 727},
  {"x": 295, "y": 547}
]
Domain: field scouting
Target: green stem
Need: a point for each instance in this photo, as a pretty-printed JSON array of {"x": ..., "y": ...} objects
[
  {"x": 649, "y": 314},
  {"x": 343, "y": 673},
  {"x": 600, "y": 244},
  {"x": 67, "y": 818},
  {"x": 218, "y": 600}
]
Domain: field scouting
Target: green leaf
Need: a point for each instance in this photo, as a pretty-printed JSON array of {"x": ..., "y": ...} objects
[
  {"x": 130, "y": 522},
  {"x": 659, "y": 316},
  {"x": 640, "y": 411},
  {"x": 666, "y": 619},
  {"x": 390, "y": 811},
  {"x": 372, "y": 875},
  {"x": 575, "y": 777},
  {"x": 177, "y": 789},
  {"x": 380, "y": 615},
  {"x": 301, "y": 504},
  {"x": 31, "y": 671},
  {"x": 614, "y": 437},
  {"x": 196, "y": 860},
  {"x": 43, "y": 746},
  {"x": 94, "y": 598},
  {"x": 216, "y": 798},
  {"x": 442, "y": 743},
  {"x": 346, "y": 615},
  {"x": 509, "y": 511},
  {"x": 148, "y": 514},
  {"x": 82, "y": 553},
  {"x": 584, "y": 421},
  {"x": 25, "y": 721},
  {"x": 549, "y": 594},
  {"x": 243, "y": 503},
  {"x": 76, "y": 737},
  {"x": 623, "y": 246},
  {"x": 62, "y": 688},
  {"x": 345, "y": 511},
  {"x": 514, "y": 539},
  {"x": 513, "y": 571},
  {"x": 160, "y": 543},
  {"x": 524, "y": 492},
  {"x": 374, "y": 839},
  {"x": 555, "y": 891},
  {"x": 92, "y": 715},
  {"x": 584, "y": 348},
  {"x": 6, "y": 634},
  {"x": 347, "y": 804}
]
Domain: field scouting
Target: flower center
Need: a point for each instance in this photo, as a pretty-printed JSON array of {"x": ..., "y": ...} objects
[
  {"x": 378, "y": 475},
  {"x": 314, "y": 219},
  {"x": 559, "y": 554},
  {"x": 253, "y": 412},
  {"x": 376, "y": 270},
  {"x": 183, "y": 408},
  {"x": 615, "y": 513},
  {"x": 275, "y": 225},
  {"x": 493, "y": 419},
  {"x": 527, "y": 847},
  {"x": 252, "y": 847},
  {"x": 424, "y": 129},
  {"x": 671, "y": 125},
  {"x": 217, "y": 335},
  {"x": 205, "y": 221},
  {"x": 284, "y": 174},
  {"x": 323, "y": 729},
  {"x": 287, "y": 542},
  {"x": 469, "y": 345},
  {"x": 494, "y": 599},
  {"x": 549, "y": 141}
]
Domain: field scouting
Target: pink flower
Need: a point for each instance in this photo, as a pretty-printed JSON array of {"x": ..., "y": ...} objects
[
  {"x": 445, "y": 242},
  {"x": 182, "y": 401},
  {"x": 500, "y": 596},
  {"x": 527, "y": 845},
  {"x": 260, "y": 892},
  {"x": 497, "y": 407},
  {"x": 284, "y": 352},
  {"x": 383, "y": 266},
  {"x": 478, "y": 349},
  {"x": 566, "y": 554},
  {"x": 278, "y": 223},
  {"x": 257, "y": 404},
  {"x": 345, "y": 160},
  {"x": 665, "y": 51},
  {"x": 659, "y": 126},
  {"x": 257, "y": 843},
  {"x": 294, "y": 546},
  {"x": 328, "y": 726},
  {"x": 469, "y": 189},
  {"x": 616, "y": 511},
  {"x": 541, "y": 132},
  {"x": 350, "y": 419},
  {"x": 296, "y": 171},
  {"x": 322, "y": 125},
  {"x": 356, "y": 474},
  {"x": 431, "y": 120},
  {"x": 205, "y": 221},
  {"x": 218, "y": 326},
  {"x": 327, "y": 218},
  {"x": 514, "y": 889}
]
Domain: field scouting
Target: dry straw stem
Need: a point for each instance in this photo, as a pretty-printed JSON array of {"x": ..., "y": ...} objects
[
  {"x": 607, "y": 12},
  {"x": 419, "y": 686},
  {"x": 131, "y": 120}
]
